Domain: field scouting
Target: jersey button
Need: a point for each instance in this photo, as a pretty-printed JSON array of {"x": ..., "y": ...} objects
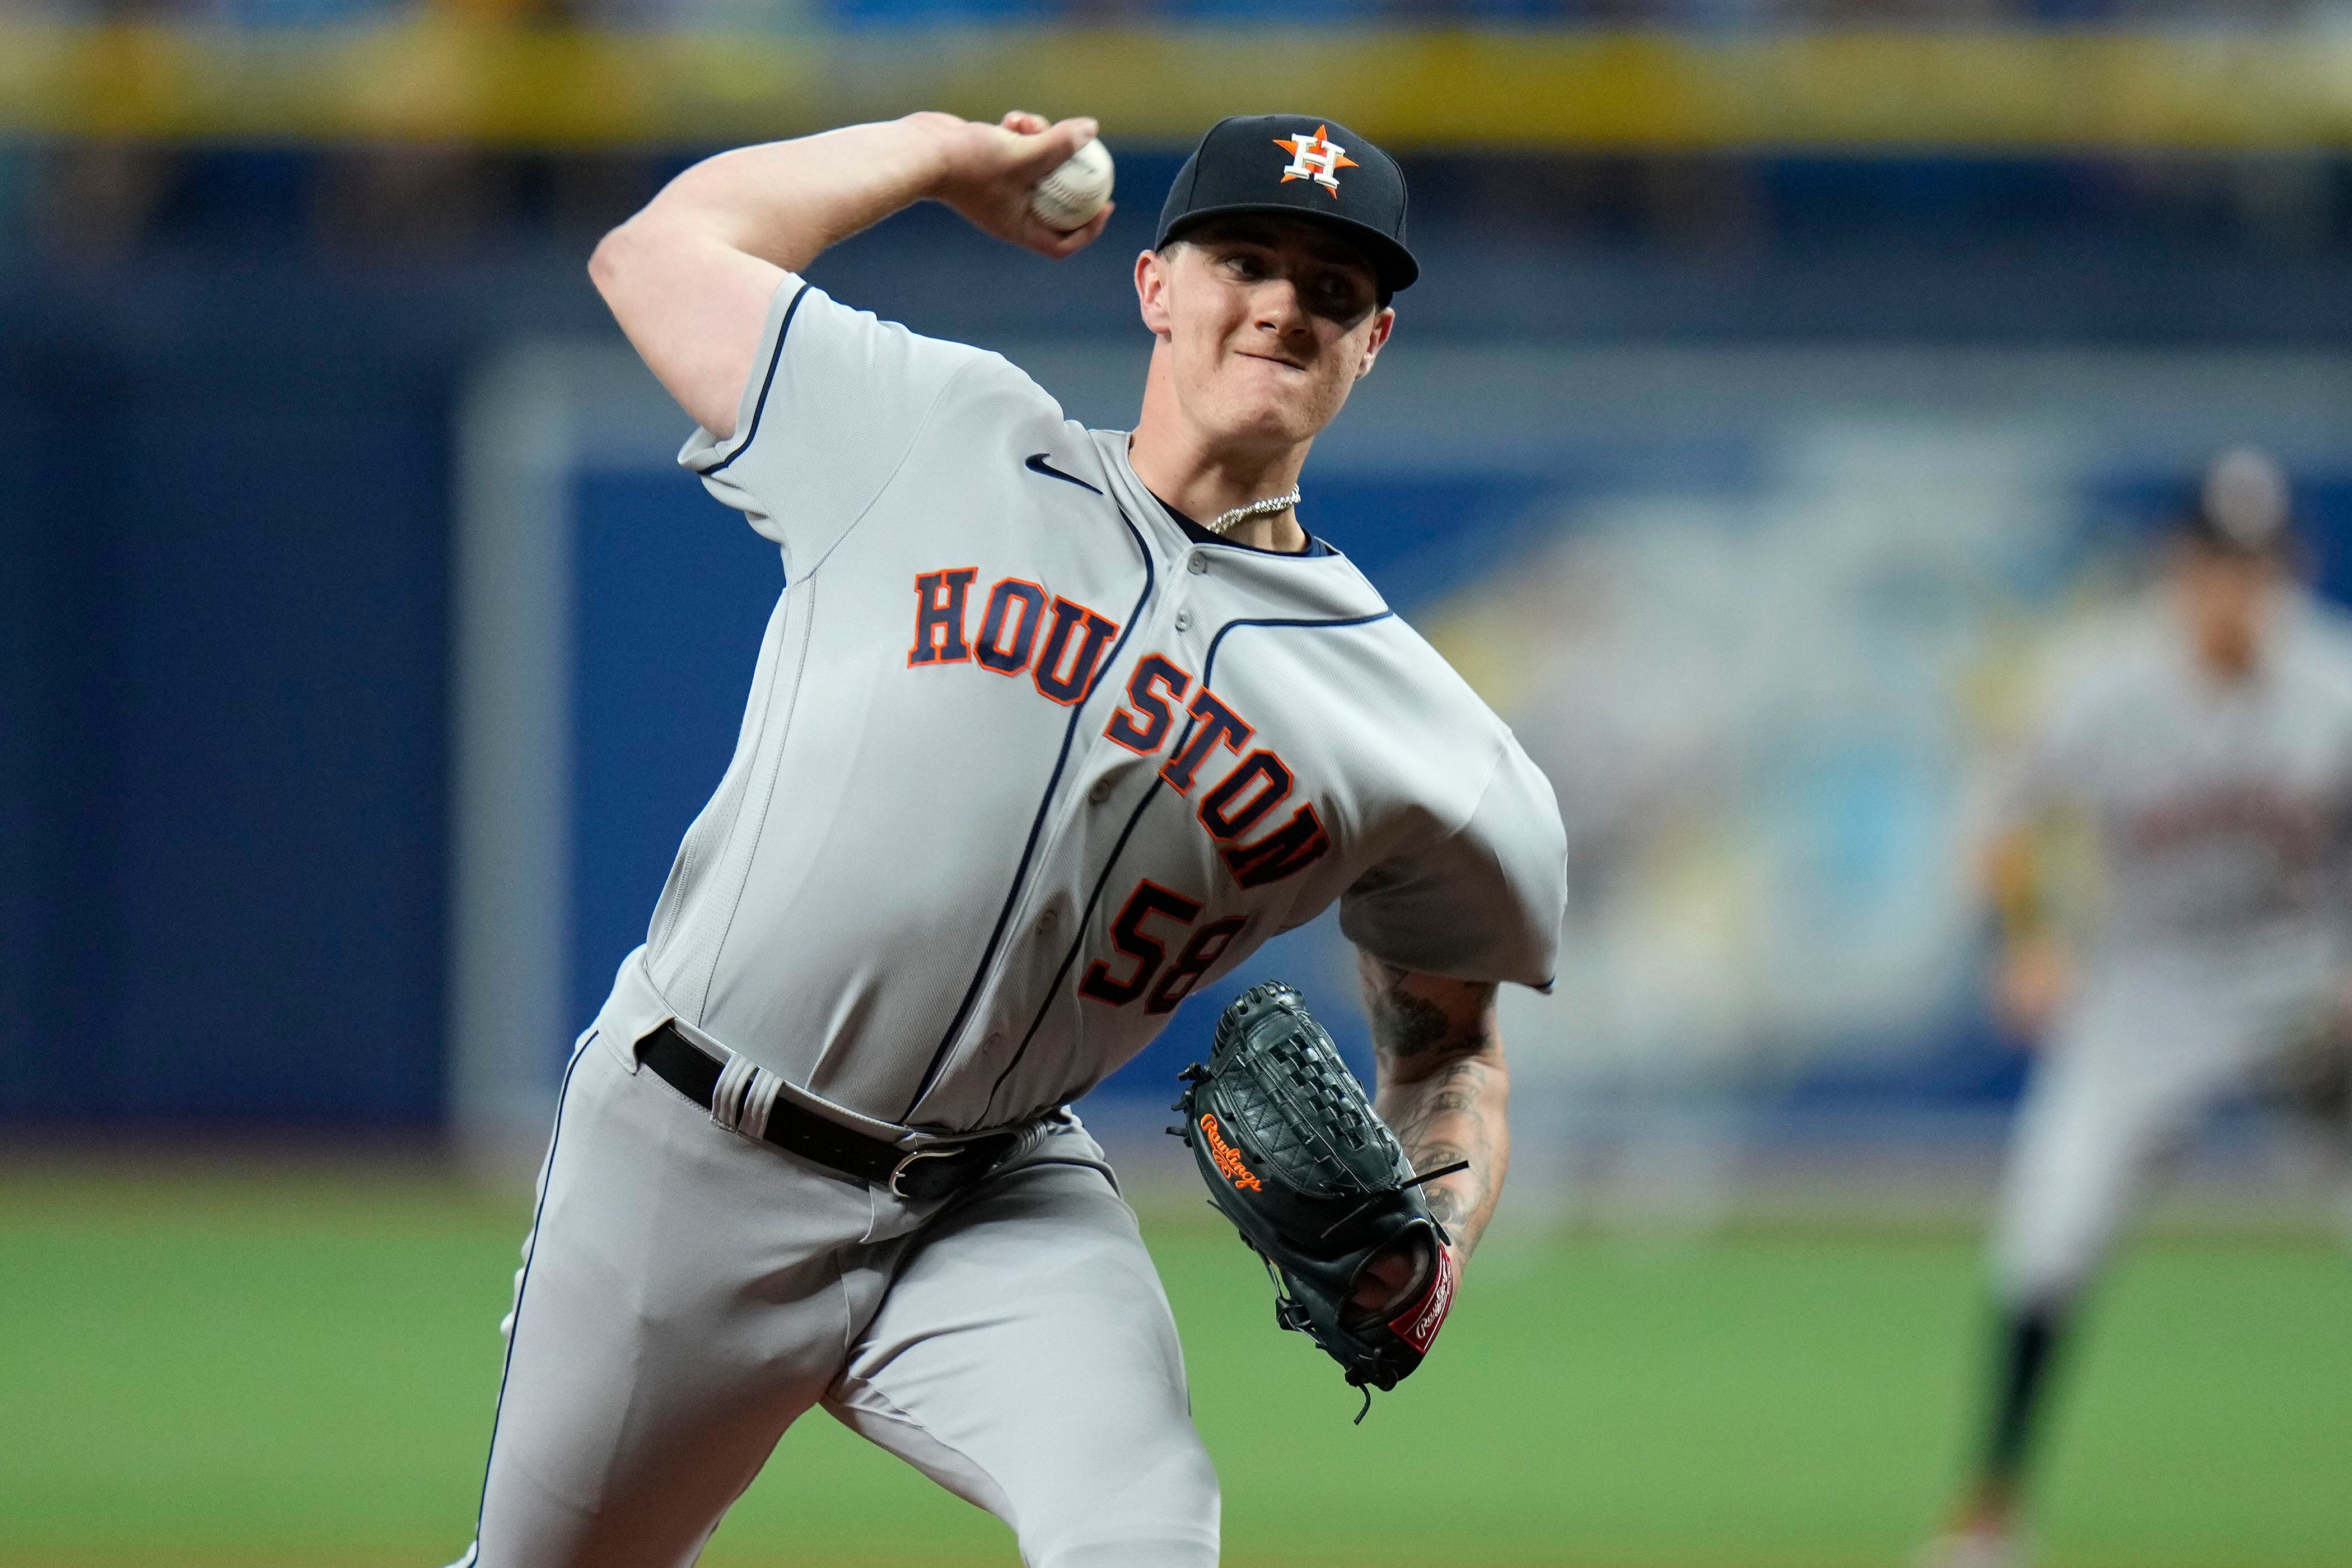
[
  {"x": 1045, "y": 921},
  {"x": 1100, "y": 793},
  {"x": 1198, "y": 564},
  {"x": 1184, "y": 620}
]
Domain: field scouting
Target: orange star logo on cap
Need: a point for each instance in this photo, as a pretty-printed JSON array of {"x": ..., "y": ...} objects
[{"x": 1314, "y": 158}]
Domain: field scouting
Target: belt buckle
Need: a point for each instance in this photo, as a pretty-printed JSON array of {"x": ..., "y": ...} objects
[
  {"x": 909, "y": 1162},
  {"x": 984, "y": 1152}
]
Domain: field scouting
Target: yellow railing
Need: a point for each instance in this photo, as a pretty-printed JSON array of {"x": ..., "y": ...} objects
[{"x": 445, "y": 79}]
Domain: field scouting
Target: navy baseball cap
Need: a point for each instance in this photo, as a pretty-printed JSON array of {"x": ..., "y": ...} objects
[{"x": 1296, "y": 165}]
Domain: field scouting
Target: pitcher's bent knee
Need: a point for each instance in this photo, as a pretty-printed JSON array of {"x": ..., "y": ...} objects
[
  {"x": 1166, "y": 1546},
  {"x": 1126, "y": 1554},
  {"x": 1165, "y": 1518}
]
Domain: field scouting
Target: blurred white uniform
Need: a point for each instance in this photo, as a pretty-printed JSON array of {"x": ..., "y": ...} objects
[{"x": 2220, "y": 814}]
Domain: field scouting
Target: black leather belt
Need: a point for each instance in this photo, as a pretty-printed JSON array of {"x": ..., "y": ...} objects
[{"x": 919, "y": 1174}]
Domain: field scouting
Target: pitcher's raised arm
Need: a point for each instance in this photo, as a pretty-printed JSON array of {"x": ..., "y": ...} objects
[{"x": 690, "y": 276}]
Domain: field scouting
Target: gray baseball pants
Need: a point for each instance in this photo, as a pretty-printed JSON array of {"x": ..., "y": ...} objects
[
  {"x": 688, "y": 1292},
  {"x": 2141, "y": 1053}
]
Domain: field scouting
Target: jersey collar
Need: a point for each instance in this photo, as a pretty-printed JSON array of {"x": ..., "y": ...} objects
[
  {"x": 1317, "y": 583},
  {"x": 1199, "y": 535},
  {"x": 1111, "y": 445}
]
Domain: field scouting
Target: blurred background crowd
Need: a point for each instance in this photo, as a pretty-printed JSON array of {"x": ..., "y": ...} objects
[
  {"x": 1690, "y": 14},
  {"x": 1788, "y": 377}
]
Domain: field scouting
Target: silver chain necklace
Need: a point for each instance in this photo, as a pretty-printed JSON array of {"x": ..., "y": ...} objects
[{"x": 1225, "y": 520}]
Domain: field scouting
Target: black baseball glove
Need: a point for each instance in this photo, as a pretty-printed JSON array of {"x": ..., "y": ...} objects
[{"x": 1296, "y": 1158}]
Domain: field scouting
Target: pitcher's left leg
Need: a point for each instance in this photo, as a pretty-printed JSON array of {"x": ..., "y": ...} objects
[{"x": 1025, "y": 1358}]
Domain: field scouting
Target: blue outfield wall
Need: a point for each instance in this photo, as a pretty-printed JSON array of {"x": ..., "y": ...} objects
[
  {"x": 225, "y": 747},
  {"x": 224, "y": 523}
]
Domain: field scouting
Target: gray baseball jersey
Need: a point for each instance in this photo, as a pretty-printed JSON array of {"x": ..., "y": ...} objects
[
  {"x": 2222, "y": 816},
  {"x": 1028, "y": 758}
]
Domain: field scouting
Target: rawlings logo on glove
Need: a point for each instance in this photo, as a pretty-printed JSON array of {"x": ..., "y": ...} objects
[
  {"x": 1319, "y": 1188},
  {"x": 1226, "y": 1158}
]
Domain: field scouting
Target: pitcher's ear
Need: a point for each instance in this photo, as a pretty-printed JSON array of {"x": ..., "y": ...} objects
[
  {"x": 1374, "y": 344},
  {"x": 1152, "y": 281}
]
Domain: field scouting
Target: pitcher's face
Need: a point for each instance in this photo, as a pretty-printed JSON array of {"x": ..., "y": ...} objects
[{"x": 1269, "y": 322}]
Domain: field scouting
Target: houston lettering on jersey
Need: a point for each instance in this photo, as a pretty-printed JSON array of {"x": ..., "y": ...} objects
[
  {"x": 1012, "y": 623},
  {"x": 1060, "y": 644}
]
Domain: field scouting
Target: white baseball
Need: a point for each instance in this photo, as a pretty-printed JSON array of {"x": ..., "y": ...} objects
[{"x": 1070, "y": 195}]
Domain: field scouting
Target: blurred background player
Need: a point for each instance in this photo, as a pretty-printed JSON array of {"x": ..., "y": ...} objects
[{"x": 2208, "y": 752}]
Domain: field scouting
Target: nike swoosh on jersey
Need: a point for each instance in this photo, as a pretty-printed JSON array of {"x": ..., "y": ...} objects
[{"x": 1037, "y": 464}]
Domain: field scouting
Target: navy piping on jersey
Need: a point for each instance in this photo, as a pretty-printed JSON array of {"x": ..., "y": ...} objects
[
  {"x": 514, "y": 1330},
  {"x": 760, "y": 407},
  {"x": 1094, "y": 895},
  {"x": 1037, "y": 823}
]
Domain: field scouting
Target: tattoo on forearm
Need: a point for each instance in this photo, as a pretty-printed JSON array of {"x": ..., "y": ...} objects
[
  {"x": 1451, "y": 1091},
  {"x": 1459, "y": 1203},
  {"x": 1442, "y": 1086},
  {"x": 1450, "y": 1210},
  {"x": 1406, "y": 1026}
]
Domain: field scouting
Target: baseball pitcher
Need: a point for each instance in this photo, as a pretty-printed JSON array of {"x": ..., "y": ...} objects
[{"x": 1049, "y": 728}]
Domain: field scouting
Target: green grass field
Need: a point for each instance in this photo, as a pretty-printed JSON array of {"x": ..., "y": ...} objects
[{"x": 214, "y": 1369}]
